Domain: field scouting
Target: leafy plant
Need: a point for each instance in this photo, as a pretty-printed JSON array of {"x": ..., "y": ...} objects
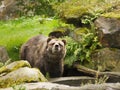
[
  {"x": 81, "y": 50},
  {"x": 71, "y": 47},
  {"x": 87, "y": 45}
]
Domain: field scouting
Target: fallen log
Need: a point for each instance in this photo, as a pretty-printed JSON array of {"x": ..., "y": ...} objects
[
  {"x": 86, "y": 70},
  {"x": 112, "y": 76}
]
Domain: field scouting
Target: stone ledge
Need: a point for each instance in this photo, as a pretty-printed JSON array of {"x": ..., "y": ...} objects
[{"x": 53, "y": 86}]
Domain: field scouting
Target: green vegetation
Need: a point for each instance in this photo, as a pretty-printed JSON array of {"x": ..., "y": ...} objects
[
  {"x": 14, "y": 33},
  {"x": 115, "y": 14},
  {"x": 79, "y": 8},
  {"x": 81, "y": 51},
  {"x": 36, "y": 7}
]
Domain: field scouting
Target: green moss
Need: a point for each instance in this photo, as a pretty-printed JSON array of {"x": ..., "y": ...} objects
[
  {"x": 14, "y": 66},
  {"x": 11, "y": 72},
  {"x": 20, "y": 76},
  {"x": 112, "y": 15},
  {"x": 79, "y": 8},
  {"x": 81, "y": 31},
  {"x": 75, "y": 12}
]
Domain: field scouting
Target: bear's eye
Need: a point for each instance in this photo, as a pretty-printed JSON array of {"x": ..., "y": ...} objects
[
  {"x": 52, "y": 44},
  {"x": 60, "y": 44}
]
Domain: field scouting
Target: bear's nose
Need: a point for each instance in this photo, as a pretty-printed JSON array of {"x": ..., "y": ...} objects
[{"x": 56, "y": 46}]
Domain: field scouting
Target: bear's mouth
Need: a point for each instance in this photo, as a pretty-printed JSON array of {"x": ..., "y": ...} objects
[{"x": 56, "y": 51}]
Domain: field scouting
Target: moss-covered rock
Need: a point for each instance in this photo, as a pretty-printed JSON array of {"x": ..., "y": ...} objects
[
  {"x": 14, "y": 66},
  {"x": 78, "y": 33},
  {"x": 73, "y": 11},
  {"x": 115, "y": 14},
  {"x": 108, "y": 30},
  {"x": 107, "y": 59},
  {"x": 19, "y": 72},
  {"x": 21, "y": 75},
  {"x": 60, "y": 32}
]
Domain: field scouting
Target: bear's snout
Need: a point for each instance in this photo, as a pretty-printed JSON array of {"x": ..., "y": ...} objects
[{"x": 56, "y": 46}]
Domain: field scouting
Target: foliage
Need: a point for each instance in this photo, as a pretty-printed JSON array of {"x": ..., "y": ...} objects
[
  {"x": 71, "y": 47},
  {"x": 81, "y": 50},
  {"x": 87, "y": 45},
  {"x": 14, "y": 33},
  {"x": 36, "y": 7}
]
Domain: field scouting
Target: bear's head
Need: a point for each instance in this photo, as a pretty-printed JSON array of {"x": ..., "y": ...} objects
[{"x": 56, "y": 46}]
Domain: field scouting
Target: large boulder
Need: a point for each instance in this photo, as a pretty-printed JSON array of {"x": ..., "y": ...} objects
[
  {"x": 60, "y": 32},
  {"x": 14, "y": 66},
  {"x": 107, "y": 59},
  {"x": 108, "y": 30},
  {"x": 19, "y": 72},
  {"x": 3, "y": 54}
]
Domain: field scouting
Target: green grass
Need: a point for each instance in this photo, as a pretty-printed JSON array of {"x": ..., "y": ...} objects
[{"x": 14, "y": 33}]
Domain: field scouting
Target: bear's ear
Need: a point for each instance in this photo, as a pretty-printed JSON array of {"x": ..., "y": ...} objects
[
  {"x": 64, "y": 41},
  {"x": 49, "y": 39}
]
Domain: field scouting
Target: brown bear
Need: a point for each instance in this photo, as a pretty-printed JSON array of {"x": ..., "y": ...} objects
[{"x": 45, "y": 53}]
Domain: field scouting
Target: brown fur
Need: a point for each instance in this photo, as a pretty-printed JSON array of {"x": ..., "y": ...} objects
[{"x": 45, "y": 53}]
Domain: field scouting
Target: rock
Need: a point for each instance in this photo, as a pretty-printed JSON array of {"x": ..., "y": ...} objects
[
  {"x": 44, "y": 86},
  {"x": 108, "y": 30},
  {"x": 107, "y": 59},
  {"x": 21, "y": 75},
  {"x": 73, "y": 80},
  {"x": 60, "y": 32},
  {"x": 19, "y": 72},
  {"x": 3, "y": 54},
  {"x": 104, "y": 86},
  {"x": 78, "y": 33},
  {"x": 53, "y": 86},
  {"x": 14, "y": 66},
  {"x": 7, "y": 9}
]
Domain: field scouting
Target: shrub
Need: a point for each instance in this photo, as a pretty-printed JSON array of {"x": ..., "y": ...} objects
[{"x": 81, "y": 51}]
